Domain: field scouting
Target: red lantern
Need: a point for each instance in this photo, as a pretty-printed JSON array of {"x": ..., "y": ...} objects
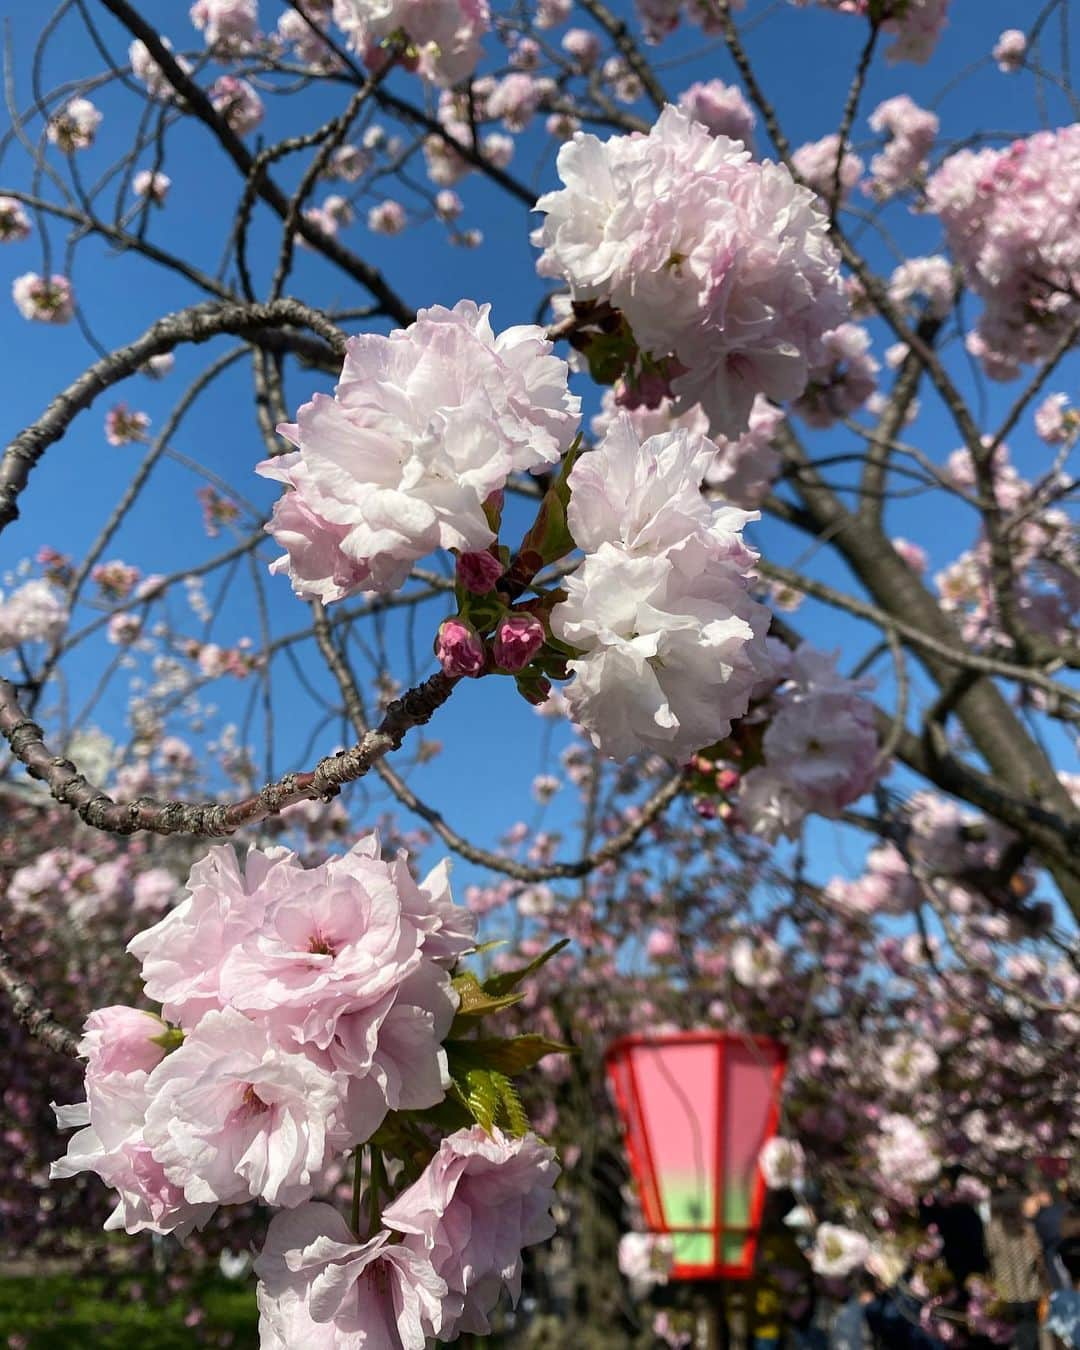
[{"x": 697, "y": 1107}]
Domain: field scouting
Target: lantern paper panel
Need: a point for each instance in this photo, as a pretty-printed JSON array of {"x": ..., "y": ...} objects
[{"x": 697, "y": 1108}]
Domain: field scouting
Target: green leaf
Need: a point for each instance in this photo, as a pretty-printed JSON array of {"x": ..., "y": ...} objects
[
  {"x": 516, "y": 1120},
  {"x": 507, "y": 1055},
  {"x": 170, "y": 1039},
  {"x": 476, "y": 1000},
  {"x": 483, "y": 1097},
  {"x": 499, "y": 985}
]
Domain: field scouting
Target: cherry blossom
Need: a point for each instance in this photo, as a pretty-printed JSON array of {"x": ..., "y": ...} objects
[
  {"x": 230, "y": 26},
  {"x": 670, "y": 641},
  {"x": 838, "y": 1250},
  {"x": 124, "y": 425},
  {"x": 815, "y": 163},
  {"x": 146, "y": 69},
  {"x": 232, "y": 1115},
  {"x": 238, "y": 103},
  {"x": 14, "y": 222},
  {"x": 33, "y": 612},
  {"x": 44, "y": 300},
  {"x": 74, "y": 126},
  {"x": 447, "y": 34},
  {"x": 481, "y": 1200},
  {"x": 318, "y": 1286},
  {"x": 461, "y": 409},
  {"x": 152, "y": 185},
  {"x": 688, "y": 238},
  {"x": 912, "y": 131},
  {"x": 1010, "y": 218},
  {"x": 645, "y": 1259},
  {"x": 820, "y": 748},
  {"x": 387, "y": 217},
  {"x": 1010, "y": 50},
  {"x": 782, "y": 1163},
  {"x": 720, "y": 107}
]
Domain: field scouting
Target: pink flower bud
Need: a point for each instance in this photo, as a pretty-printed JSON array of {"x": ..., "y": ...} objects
[
  {"x": 121, "y": 1040},
  {"x": 478, "y": 572},
  {"x": 517, "y": 640},
  {"x": 727, "y": 780},
  {"x": 459, "y": 649}
]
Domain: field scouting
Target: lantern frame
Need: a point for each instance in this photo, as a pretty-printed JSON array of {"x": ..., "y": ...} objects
[{"x": 628, "y": 1100}]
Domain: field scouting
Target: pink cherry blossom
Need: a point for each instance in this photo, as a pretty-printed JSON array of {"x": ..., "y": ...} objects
[
  {"x": 837, "y": 1250},
  {"x": 480, "y": 1200},
  {"x": 782, "y": 1163},
  {"x": 447, "y": 34},
  {"x": 670, "y": 641},
  {"x": 843, "y": 381},
  {"x": 1010, "y": 50},
  {"x": 238, "y": 103},
  {"x": 146, "y": 69},
  {"x": 33, "y": 612},
  {"x": 820, "y": 748},
  {"x": 515, "y": 100},
  {"x": 756, "y": 963},
  {"x": 230, "y": 26},
  {"x": 387, "y": 217},
  {"x": 44, "y": 300},
  {"x": 912, "y": 131},
  {"x": 815, "y": 163},
  {"x": 14, "y": 222},
  {"x": 74, "y": 126},
  {"x": 319, "y": 1286},
  {"x": 232, "y": 1115},
  {"x": 1055, "y": 421},
  {"x": 111, "y": 1143},
  {"x": 931, "y": 278},
  {"x": 645, "y": 1259},
  {"x": 696, "y": 245},
  {"x": 1010, "y": 218},
  {"x": 745, "y": 468},
  {"x": 152, "y": 185},
  {"x": 425, "y": 425},
  {"x": 123, "y": 425},
  {"x": 720, "y": 107},
  {"x": 583, "y": 45}
]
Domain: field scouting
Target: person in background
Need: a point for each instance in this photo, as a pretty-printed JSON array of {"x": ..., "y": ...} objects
[
  {"x": 957, "y": 1221},
  {"x": 1063, "y": 1313},
  {"x": 1016, "y": 1266}
]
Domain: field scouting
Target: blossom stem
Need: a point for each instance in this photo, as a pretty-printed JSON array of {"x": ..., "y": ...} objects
[
  {"x": 358, "y": 1166},
  {"x": 375, "y": 1184}
]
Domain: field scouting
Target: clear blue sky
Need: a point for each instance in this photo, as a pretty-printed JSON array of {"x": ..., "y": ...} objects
[{"x": 494, "y": 743}]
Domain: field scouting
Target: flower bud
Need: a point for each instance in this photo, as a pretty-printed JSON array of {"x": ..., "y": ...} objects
[
  {"x": 459, "y": 649},
  {"x": 122, "y": 1040},
  {"x": 517, "y": 640},
  {"x": 478, "y": 572}
]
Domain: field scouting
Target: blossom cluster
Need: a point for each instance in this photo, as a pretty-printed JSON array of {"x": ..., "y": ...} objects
[
  {"x": 32, "y": 612},
  {"x": 44, "y": 299},
  {"x": 1011, "y": 221},
  {"x": 299, "y": 1005},
  {"x": 669, "y": 641},
  {"x": 820, "y": 747},
  {"x": 446, "y": 34},
  {"x": 424, "y": 427},
  {"x": 721, "y": 266}
]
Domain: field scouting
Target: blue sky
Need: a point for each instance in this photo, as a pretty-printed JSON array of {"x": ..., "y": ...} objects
[{"x": 494, "y": 743}]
